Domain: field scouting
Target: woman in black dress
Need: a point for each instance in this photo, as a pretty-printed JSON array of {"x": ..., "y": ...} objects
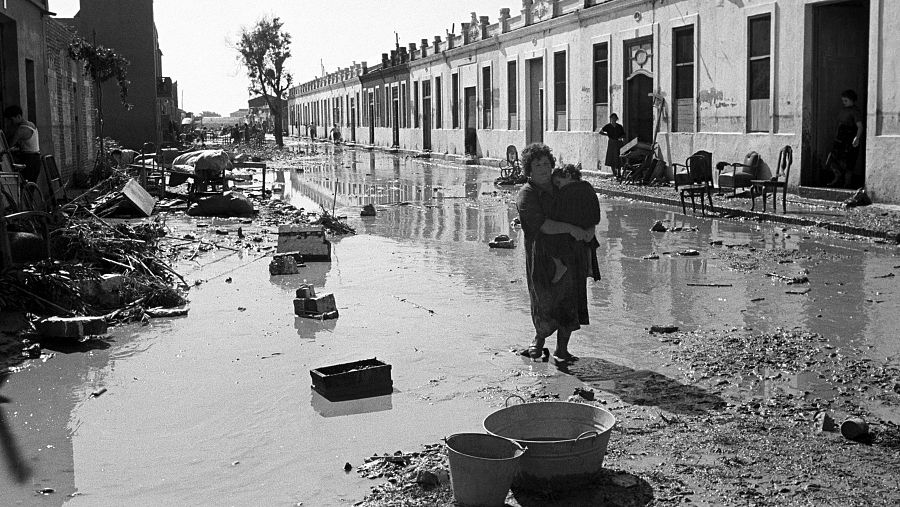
[
  {"x": 559, "y": 307},
  {"x": 616, "y": 135}
]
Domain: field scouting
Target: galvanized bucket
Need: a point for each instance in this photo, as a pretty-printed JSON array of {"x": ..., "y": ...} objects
[
  {"x": 566, "y": 441},
  {"x": 482, "y": 468}
]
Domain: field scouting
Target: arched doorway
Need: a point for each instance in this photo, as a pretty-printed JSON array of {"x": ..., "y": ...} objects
[{"x": 638, "y": 121}]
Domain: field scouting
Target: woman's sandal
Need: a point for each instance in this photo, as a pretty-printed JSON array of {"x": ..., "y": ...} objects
[
  {"x": 564, "y": 358},
  {"x": 534, "y": 352}
]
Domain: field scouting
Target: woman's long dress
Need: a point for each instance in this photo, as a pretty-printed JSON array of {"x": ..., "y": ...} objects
[{"x": 554, "y": 306}]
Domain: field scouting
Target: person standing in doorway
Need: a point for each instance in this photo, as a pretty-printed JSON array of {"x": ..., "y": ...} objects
[
  {"x": 24, "y": 143},
  {"x": 616, "y": 137},
  {"x": 846, "y": 146}
]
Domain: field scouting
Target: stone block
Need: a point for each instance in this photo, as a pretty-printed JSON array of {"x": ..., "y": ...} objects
[
  {"x": 71, "y": 327},
  {"x": 315, "y": 305},
  {"x": 307, "y": 240},
  {"x": 306, "y": 291}
]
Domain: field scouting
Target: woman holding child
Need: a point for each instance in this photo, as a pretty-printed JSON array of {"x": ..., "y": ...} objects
[{"x": 558, "y": 227}]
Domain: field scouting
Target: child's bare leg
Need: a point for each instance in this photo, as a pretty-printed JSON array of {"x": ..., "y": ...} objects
[{"x": 560, "y": 270}]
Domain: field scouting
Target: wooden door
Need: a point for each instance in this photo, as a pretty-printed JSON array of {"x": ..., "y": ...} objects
[
  {"x": 534, "y": 122},
  {"x": 471, "y": 113},
  {"x": 638, "y": 121},
  {"x": 840, "y": 62},
  {"x": 352, "y": 120}
]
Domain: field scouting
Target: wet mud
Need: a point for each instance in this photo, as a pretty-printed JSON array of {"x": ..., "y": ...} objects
[{"x": 216, "y": 407}]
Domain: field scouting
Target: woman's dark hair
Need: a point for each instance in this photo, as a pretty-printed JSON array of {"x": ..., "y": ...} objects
[
  {"x": 850, "y": 94},
  {"x": 533, "y": 152},
  {"x": 614, "y": 115},
  {"x": 12, "y": 112}
]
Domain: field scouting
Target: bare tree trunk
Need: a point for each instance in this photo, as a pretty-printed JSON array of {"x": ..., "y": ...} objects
[{"x": 279, "y": 135}]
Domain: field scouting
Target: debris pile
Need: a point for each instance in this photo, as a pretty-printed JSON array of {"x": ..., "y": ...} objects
[
  {"x": 333, "y": 224},
  {"x": 415, "y": 479},
  {"x": 87, "y": 253},
  {"x": 502, "y": 241}
]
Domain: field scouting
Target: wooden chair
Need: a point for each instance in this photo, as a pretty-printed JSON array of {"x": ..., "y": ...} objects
[
  {"x": 779, "y": 180},
  {"x": 700, "y": 178},
  {"x": 741, "y": 173},
  {"x": 12, "y": 196},
  {"x": 683, "y": 176}
]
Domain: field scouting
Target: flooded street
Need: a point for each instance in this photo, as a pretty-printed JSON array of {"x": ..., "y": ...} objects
[{"x": 216, "y": 407}]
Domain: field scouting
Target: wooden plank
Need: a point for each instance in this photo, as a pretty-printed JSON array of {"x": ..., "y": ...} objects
[{"x": 142, "y": 200}]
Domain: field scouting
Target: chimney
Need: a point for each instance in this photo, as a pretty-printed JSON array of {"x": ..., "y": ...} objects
[
  {"x": 384, "y": 60},
  {"x": 557, "y": 8},
  {"x": 437, "y": 44},
  {"x": 450, "y": 41},
  {"x": 412, "y": 51},
  {"x": 393, "y": 57},
  {"x": 465, "y": 33},
  {"x": 424, "y": 48},
  {"x": 504, "y": 20},
  {"x": 364, "y": 67},
  {"x": 404, "y": 56},
  {"x": 484, "y": 21},
  {"x": 526, "y": 11}
]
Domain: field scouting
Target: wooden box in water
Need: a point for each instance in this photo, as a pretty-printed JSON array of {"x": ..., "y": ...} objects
[{"x": 358, "y": 379}]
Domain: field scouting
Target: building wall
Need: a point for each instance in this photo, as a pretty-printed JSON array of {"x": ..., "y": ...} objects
[
  {"x": 23, "y": 42},
  {"x": 127, "y": 26},
  {"x": 883, "y": 127},
  {"x": 328, "y": 101},
  {"x": 73, "y": 113},
  {"x": 723, "y": 119}
]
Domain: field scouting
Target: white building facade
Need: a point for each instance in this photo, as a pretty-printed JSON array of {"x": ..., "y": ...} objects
[{"x": 724, "y": 76}]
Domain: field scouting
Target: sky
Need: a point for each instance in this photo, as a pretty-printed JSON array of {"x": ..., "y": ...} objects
[{"x": 197, "y": 37}]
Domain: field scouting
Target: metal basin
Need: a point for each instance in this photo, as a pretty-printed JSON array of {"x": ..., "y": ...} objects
[{"x": 566, "y": 441}]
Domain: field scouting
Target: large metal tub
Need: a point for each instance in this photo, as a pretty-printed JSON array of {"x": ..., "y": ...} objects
[{"x": 566, "y": 441}]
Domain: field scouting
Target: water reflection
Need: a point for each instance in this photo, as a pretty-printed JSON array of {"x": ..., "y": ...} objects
[
  {"x": 453, "y": 211},
  {"x": 327, "y": 408},
  {"x": 16, "y": 466},
  {"x": 310, "y": 328}
]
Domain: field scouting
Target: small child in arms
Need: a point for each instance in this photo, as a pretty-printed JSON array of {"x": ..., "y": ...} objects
[{"x": 576, "y": 203}]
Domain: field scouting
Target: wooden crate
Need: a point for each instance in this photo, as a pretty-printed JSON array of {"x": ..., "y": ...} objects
[{"x": 358, "y": 379}]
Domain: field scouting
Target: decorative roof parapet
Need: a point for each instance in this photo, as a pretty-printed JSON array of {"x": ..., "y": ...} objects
[
  {"x": 527, "y": 11},
  {"x": 484, "y": 22},
  {"x": 504, "y": 20}
]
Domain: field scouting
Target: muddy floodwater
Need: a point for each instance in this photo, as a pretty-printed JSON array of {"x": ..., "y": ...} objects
[{"x": 216, "y": 407}]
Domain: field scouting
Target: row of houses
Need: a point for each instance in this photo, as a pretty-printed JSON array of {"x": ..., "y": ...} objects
[
  {"x": 725, "y": 76},
  {"x": 37, "y": 74}
]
